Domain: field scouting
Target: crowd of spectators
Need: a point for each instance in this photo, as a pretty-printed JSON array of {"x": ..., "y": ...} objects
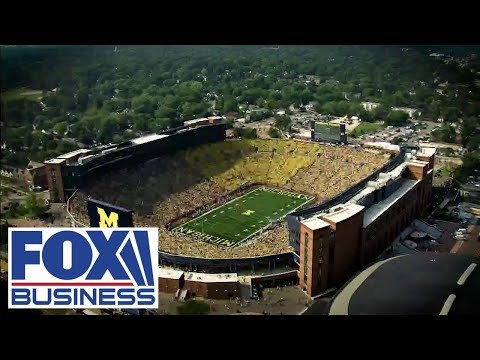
[{"x": 171, "y": 189}]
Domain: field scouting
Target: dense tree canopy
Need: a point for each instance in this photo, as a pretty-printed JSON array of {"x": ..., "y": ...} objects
[{"x": 95, "y": 94}]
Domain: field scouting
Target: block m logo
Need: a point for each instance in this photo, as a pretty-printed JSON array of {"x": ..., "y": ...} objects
[
  {"x": 107, "y": 221},
  {"x": 248, "y": 212}
]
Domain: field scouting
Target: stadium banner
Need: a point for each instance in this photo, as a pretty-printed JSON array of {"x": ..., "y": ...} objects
[
  {"x": 102, "y": 214},
  {"x": 82, "y": 268}
]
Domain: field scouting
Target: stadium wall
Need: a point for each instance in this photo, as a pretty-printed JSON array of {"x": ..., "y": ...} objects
[
  {"x": 275, "y": 279},
  {"x": 213, "y": 290},
  {"x": 209, "y": 265}
]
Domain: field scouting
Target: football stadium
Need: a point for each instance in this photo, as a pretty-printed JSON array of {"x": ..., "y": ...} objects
[
  {"x": 273, "y": 210},
  {"x": 223, "y": 199}
]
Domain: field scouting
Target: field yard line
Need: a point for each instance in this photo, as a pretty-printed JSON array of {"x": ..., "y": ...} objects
[
  {"x": 266, "y": 226},
  {"x": 215, "y": 208}
]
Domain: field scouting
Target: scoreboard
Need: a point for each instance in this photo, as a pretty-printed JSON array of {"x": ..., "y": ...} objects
[{"x": 328, "y": 132}]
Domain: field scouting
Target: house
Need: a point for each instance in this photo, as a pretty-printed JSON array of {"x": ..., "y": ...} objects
[
  {"x": 37, "y": 176},
  {"x": 369, "y": 106}
]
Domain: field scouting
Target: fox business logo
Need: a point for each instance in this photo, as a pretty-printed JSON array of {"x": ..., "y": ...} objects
[{"x": 58, "y": 268}]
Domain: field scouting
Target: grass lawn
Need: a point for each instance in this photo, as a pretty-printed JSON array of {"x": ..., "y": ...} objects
[
  {"x": 366, "y": 128},
  {"x": 11, "y": 95},
  {"x": 447, "y": 171},
  {"x": 240, "y": 219}
]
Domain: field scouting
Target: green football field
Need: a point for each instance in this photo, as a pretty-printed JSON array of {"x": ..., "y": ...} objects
[{"x": 240, "y": 219}]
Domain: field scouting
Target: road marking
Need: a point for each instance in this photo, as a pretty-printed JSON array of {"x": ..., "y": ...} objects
[
  {"x": 466, "y": 274},
  {"x": 448, "y": 304}
]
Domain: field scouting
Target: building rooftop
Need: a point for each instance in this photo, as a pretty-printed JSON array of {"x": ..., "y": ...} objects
[
  {"x": 416, "y": 284},
  {"x": 194, "y": 121},
  {"x": 426, "y": 151},
  {"x": 416, "y": 162},
  {"x": 34, "y": 165},
  {"x": 55, "y": 161},
  {"x": 343, "y": 212},
  {"x": 169, "y": 273},
  {"x": 147, "y": 138},
  {"x": 315, "y": 223},
  {"x": 382, "y": 145},
  {"x": 378, "y": 209},
  {"x": 211, "y": 278},
  {"x": 73, "y": 154},
  {"x": 397, "y": 108}
]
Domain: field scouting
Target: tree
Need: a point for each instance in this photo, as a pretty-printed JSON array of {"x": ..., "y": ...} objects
[
  {"x": 64, "y": 147},
  {"x": 470, "y": 128},
  {"x": 82, "y": 99},
  {"x": 449, "y": 151},
  {"x": 329, "y": 108},
  {"x": 451, "y": 114},
  {"x": 396, "y": 118},
  {"x": 474, "y": 143},
  {"x": 244, "y": 132},
  {"x": 193, "y": 307},
  {"x": 128, "y": 135},
  {"x": 380, "y": 113},
  {"x": 230, "y": 104},
  {"x": 446, "y": 134},
  {"x": 397, "y": 140},
  {"x": 283, "y": 122},
  {"x": 34, "y": 207},
  {"x": 143, "y": 104},
  {"x": 273, "y": 133},
  {"x": 60, "y": 128},
  {"x": 229, "y": 121},
  {"x": 4, "y": 233},
  {"x": 471, "y": 162}
]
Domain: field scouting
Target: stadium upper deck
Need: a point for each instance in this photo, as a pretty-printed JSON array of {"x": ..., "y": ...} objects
[{"x": 68, "y": 171}]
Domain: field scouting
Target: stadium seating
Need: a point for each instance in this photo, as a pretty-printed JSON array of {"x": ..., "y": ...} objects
[{"x": 194, "y": 181}]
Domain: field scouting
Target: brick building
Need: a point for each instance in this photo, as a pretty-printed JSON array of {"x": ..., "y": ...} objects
[
  {"x": 338, "y": 241},
  {"x": 208, "y": 286},
  {"x": 170, "y": 280},
  {"x": 212, "y": 286}
]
